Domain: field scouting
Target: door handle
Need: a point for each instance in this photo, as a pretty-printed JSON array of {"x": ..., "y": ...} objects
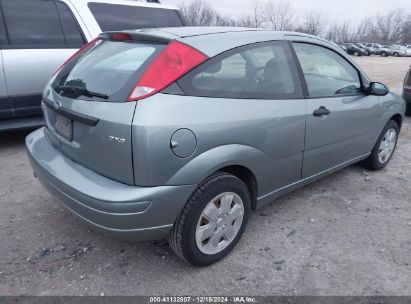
[{"x": 322, "y": 111}]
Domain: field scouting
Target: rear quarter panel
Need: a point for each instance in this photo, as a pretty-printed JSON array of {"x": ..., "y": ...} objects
[{"x": 267, "y": 137}]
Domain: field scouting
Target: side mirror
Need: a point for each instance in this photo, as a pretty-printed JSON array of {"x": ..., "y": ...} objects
[{"x": 378, "y": 89}]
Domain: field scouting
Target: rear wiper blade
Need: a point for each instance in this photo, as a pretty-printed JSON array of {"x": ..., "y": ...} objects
[{"x": 81, "y": 91}]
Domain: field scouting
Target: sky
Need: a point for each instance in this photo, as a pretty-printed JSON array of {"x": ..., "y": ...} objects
[{"x": 340, "y": 10}]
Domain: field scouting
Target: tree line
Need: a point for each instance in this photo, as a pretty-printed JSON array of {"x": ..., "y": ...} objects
[{"x": 393, "y": 26}]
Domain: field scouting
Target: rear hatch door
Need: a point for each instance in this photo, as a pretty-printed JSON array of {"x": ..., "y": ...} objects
[{"x": 86, "y": 109}]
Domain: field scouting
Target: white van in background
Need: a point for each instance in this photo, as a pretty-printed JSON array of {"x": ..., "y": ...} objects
[{"x": 37, "y": 36}]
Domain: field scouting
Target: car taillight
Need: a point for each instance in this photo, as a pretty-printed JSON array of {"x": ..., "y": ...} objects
[
  {"x": 75, "y": 54},
  {"x": 173, "y": 62}
]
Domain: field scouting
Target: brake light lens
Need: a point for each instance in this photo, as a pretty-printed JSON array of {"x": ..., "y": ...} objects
[
  {"x": 176, "y": 60},
  {"x": 75, "y": 54},
  {"x": 120, "y": 37}
]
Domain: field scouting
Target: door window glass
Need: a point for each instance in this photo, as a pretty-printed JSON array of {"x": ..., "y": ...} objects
[
  {"x": 326, "y": 72},
  {"x": 33, "y": 24}
]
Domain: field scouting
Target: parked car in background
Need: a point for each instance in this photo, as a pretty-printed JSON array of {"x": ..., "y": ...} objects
[
  {"x": 397, "y": 51},
  {"x": 370, "y": 51},
  {"x": 408, "y": 47},
  {"x": 398, "y": 46},
  {"x": 407, "y": 52},
  {"x": 37, "y": 36},
  {"x": 380, "y": 49},
  {"x": 355, "y": 50},
  {"x": 407, "y": 91},
  {"x": 200, "y": 125},
  {"x": 375, "y": 46},
  {"x": 388, "y": 50}
]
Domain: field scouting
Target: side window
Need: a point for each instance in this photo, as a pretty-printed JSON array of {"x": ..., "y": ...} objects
[
  {"x": 327, "y": 73},
  {"x": 72, "y": 32},
  {"x": 33, "y": 24},
  {"x": 258, "y": 71}
]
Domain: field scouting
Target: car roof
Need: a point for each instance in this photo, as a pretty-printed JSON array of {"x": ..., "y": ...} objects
[
  {"x": 191, "y": 31},
  {"x": 214, "y": 40},
  {"x": 227, "y": 37}
]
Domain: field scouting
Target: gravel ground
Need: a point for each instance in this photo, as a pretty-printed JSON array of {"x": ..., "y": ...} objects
[{"x": 348, "y": 234}]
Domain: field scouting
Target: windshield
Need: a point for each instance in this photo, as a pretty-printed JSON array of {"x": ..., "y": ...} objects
[
  {"x": 106, "y": 71},
  {"x": 115, "y": 17}
]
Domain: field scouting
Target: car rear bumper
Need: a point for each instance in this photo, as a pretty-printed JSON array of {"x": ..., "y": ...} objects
[{"x": 120, "y": 210}]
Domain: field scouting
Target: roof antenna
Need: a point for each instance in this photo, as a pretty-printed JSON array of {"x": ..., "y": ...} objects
[{"x": 154, "y": 1}]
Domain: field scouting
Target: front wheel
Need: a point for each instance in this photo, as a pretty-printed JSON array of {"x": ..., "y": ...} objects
[
  {"x": 396, "y": 54},
  {"x": 384, "y": 148},
  {"x": 356, "y": 54},
  {"x": 213, "y": 220},
  {"x": 384, "y": 54}
]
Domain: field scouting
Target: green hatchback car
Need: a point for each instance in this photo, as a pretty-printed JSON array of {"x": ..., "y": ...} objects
[{"x": 181, "y": 132}]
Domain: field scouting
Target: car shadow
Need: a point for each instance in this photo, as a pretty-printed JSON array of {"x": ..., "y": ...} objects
[{"x": 13, "y": 139}]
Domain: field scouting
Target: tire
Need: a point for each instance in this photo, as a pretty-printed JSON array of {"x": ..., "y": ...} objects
[
  {"x": 356, "y": 54},
  {"x": 396, "y": 54},
  {"x": 184, "y": 238},
  {"x": 408, "y": 110},
  {"x": 374, "y": 161},
  {"x": 384, "y": 54}
]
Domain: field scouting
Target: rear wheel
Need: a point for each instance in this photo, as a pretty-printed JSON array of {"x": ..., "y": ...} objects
[
  {"x": 396, "y": 54},
  {"x": 356, "y": 54},
  {"x": 384, "y": 148},
  {"x": 213, "y": 220},
  {"x": 384, "y": 54}
]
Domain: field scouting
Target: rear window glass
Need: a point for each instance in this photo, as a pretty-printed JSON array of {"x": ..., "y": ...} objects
[
  {"x": 108, "y": 68},
  {"x": 114, "y": 17}
]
